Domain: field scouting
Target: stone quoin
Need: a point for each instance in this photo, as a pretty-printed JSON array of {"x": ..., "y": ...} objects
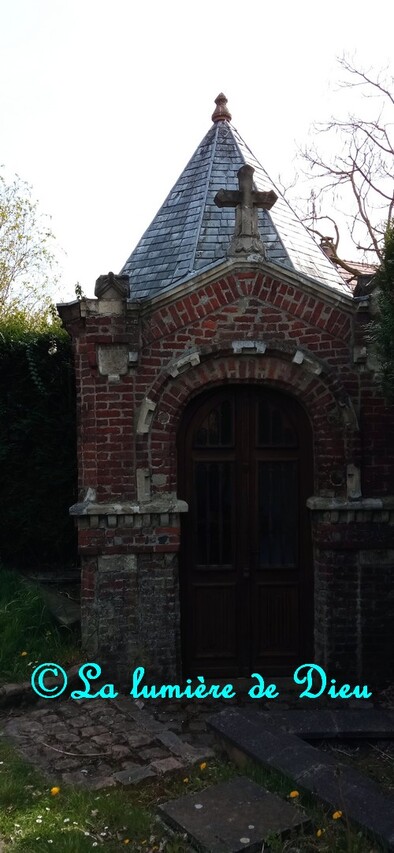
[{"x": 236, "y": 509}]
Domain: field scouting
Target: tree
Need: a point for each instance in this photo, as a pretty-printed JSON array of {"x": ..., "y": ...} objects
[
  {"x": 382, "y": 328},
  {"x": 360, "y": 167},
  {"x": 27, "y": 259}
]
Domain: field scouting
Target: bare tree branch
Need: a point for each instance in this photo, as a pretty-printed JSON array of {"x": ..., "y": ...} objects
[
  {"x": 375, "y": 84},
  {"x": 363, "y": 164}
]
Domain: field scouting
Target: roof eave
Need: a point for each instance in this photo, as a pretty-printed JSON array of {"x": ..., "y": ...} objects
[{"x": 233, "y": 265}]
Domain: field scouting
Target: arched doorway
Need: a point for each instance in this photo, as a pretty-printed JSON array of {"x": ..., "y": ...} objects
[{"x": 246, "y": 578}]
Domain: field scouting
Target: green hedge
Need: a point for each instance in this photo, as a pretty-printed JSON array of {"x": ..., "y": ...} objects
[{"x": 37, "y": 446}]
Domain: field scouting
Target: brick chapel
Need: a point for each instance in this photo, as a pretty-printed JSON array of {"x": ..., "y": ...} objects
[{"x": 236, "y": 509}]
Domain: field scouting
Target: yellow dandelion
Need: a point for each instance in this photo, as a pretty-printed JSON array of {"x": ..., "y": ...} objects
[
  {"x": 23, "y": 654},
  {"x": 294, "y": 794},
  {"x": 320, "y": 832},
  {"x": 185, "y": 780},
  {"x": 54, "y": 791},
  {"x": 337, "y": 815},
  {"x": 203, "y": 765}
]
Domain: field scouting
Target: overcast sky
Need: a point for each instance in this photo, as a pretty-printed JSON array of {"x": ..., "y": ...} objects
[{"x": 103, "y": 103}]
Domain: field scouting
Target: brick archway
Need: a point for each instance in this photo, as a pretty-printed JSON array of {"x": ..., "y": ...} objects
[{"x": 335, "y": 430}]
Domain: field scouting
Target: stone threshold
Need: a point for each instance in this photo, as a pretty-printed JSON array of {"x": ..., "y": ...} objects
[{"x": 349, "y": 723}]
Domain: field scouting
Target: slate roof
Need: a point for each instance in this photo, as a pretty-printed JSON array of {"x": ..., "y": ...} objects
[
  {"x": 361, "y": 270},
  {"x": 190, "y": 233}
]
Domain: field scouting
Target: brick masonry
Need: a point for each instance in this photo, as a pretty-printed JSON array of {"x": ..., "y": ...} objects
[{"x": 139, "y": 364}]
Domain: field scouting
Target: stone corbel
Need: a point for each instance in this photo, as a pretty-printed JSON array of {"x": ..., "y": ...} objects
[
  {"x": 353, "y": 480},
  {"x": 112, "y": 292},
  {"x": 349, "y": 414},
  {"x": 189, "y": 359},
  {"x": 308, "y": 362},
  {"x": 143, "y": 484},
  {"x": 145, "y": 416},
  {"x": 359, "y": 354},
  {"x": 249, "y": 347}
]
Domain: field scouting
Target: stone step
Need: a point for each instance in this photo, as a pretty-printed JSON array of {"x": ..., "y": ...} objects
[
  {"x": 333, "y": 783},
  {"x": 231, "y": 817},
  {"x": 323, "y": 724},
  {"x": 66, "y": 611}
]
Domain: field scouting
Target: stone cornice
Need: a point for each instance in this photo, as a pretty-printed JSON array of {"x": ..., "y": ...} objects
[
  {"x": 337, "y": 510},
  {"x": 339, "y": 504},
  {"x": 160, "y": 504},
  {"x": 90, "y": 306},
  {"x": 253, "y": 265}
]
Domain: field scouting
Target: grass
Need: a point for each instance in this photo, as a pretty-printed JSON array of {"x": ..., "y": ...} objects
[
  {"x": 76, "y": 820},
  {"x": 374, "y": 760},
  {"x": 27, "y": 626},
  {"x": 323, "y": 833}
]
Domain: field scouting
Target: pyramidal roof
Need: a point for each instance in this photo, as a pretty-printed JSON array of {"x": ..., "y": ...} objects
[{"x": 190, "y": 233}]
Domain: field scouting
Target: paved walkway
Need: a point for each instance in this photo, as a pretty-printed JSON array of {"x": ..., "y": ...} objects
[{"x": 97, "y": 743}]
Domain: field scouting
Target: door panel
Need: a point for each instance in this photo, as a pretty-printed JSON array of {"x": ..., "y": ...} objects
[
  {"x": 214, "y": 490},
  {"x": 276, "y": 620},
  {"x": 245, "y": 465},
  {"x": 277, "y": 528},
  {"x": 215, "y": 605}
]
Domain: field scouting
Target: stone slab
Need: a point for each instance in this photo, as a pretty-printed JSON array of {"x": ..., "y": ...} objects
[
  {"x": 133, "y": 774},
  {"x": 166, "y": 765},
  {"x": 65, "y": 610},
  {"x": 184, "y": 750},
  {"x": 332, "y": 782},
  {"x": 142, "y": 718},
  {"x": 233, "y": 816},
  {"x": 324, "y": 724}
]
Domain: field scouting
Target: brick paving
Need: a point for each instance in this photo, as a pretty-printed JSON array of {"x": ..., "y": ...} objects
[
  {"x": 103, "y": 742},
  {"x": 98, "y": 743}
]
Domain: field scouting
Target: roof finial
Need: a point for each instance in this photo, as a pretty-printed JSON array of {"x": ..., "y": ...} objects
[{"x": 221, "y": 112}]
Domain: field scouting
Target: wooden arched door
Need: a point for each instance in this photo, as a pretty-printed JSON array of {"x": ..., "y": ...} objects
[{"x": 246, "y": 578}]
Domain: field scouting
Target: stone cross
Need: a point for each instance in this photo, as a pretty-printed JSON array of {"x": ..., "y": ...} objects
[{"x": 246, "y": 200}]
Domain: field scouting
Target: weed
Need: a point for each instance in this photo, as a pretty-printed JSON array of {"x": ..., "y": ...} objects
[{"x": 28, "y": 632}]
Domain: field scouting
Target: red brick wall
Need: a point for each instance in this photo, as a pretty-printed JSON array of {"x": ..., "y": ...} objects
[
  {"x": 350, "y": 420},
  {"x": 246, "y": 306}
]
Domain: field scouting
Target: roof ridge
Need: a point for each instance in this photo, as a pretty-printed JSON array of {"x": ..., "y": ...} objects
[
  {"x": 198, "y": 230},
  {"x": 284, "y": 200},
  {"x": 270, "y": 181}
]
